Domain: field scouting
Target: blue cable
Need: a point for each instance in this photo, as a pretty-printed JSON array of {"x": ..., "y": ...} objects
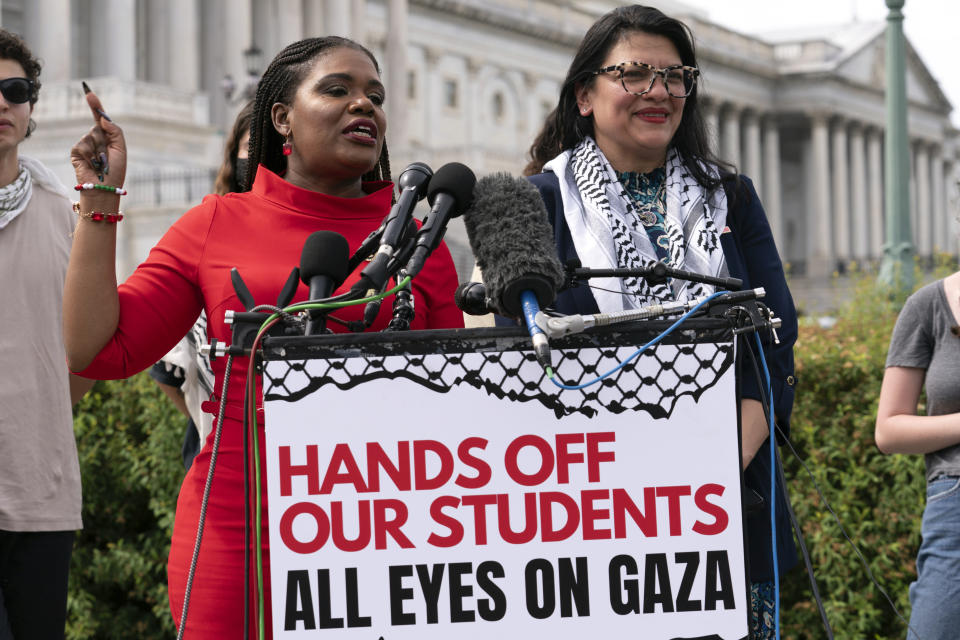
[
  {"x": 636, "y": 353},
  {"x": 773, "y": 491}
]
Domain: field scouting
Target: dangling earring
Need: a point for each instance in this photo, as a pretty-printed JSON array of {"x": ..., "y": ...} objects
[{"x": 287, "y": 147}]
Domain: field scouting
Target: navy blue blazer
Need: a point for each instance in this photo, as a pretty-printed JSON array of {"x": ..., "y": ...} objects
[{"x": 752, "y": 256}]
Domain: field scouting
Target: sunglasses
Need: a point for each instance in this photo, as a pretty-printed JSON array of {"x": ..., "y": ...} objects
[{"x": 16, "y": 90}]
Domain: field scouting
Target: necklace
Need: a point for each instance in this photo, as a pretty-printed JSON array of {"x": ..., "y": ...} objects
[
  {"x": 648, "y": 193},
  {"x": 651, "y": 213}
]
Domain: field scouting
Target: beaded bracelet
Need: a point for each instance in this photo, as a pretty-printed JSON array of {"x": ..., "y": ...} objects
[
  {"x": 87, "y": 186},
  {"x": 98, "y": 216}
]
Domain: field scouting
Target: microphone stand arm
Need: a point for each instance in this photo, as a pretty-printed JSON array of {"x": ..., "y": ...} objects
[
  {"x": 656, "y": 274},
  {"x": 742, "y": 308}
]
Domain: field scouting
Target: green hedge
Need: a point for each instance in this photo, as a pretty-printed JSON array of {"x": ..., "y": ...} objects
[
  {"x": 128, "y": 438},
  {"x": 129, "y": 435},
  {"x": 878, "y": 498}
]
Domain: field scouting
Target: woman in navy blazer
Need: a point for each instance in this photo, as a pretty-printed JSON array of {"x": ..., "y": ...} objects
[{"x": 625, "y": 171}]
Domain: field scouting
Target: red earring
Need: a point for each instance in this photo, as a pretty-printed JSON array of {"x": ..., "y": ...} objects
[{"x": 287, "y": 147}]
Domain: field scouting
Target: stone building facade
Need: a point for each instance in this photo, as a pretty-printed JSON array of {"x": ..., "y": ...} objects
[{"x": 802, "y": 113}]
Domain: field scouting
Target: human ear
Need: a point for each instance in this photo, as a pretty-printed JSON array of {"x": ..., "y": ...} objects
[
  {"x": 583, "y": 100},
  {"x": 282, "y": 118}
]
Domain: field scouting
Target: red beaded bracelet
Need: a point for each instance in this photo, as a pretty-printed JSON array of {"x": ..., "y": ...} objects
[{"x": 98, "y": 216}]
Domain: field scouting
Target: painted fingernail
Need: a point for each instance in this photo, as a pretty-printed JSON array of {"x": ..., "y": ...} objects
[
  {"x": 86, "y": 88},
  {"x": 103, "y": 115}
]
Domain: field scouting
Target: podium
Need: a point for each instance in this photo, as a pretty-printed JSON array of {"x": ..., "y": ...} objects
[{"x": 430, "y": 483}]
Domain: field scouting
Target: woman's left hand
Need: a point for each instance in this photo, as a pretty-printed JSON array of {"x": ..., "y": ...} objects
[{"x": 100, "y": 157}]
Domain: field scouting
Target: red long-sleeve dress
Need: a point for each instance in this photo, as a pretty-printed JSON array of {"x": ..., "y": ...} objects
[{"x": 261, "y": 233}]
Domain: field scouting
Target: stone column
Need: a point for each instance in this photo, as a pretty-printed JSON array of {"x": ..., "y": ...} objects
[
  {"x": 858, "y": 194},
  {"x": 338, "y": 18},
  {"x": 314, "y": 23},
  {"x": 730, "y": 139},
  {"x": 771, "y": 188},
  {"x": 183, "y": 48},
  {"x": 753, "y": 160},
  {"x": 471, "y": 113},
  {"x": 47, "y": 32},
  {"x": 116, "y": 54},
  {"x": 358, "y": 20},
  {"x": 238, "y": 21},
  {"x": 841, "y": 194},
  {"x": 820, "y": 256},
  {"x": 924, "y": 212},
  {"x": 875, "y": 190},
  {"x": 953, "y": 219},
  {"x": 158, "y": 42},
  {"x": 433, "y": 94},
  {"x": 528, "y": 120},
  {"x": 396, "y": 72},
  {"x": 941, "y": 217},
  {"x": 289, "y": 22}
]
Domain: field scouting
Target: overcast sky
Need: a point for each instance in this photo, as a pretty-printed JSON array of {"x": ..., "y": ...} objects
[{"x": 931, "y": 26}]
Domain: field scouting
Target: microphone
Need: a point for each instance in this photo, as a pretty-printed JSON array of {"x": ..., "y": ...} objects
[
  {"x": 471, "y": 298},
  {"x": 513, "y": 242},
  {"x": 323, "y": 268},
  {"x": 392, "y": 232},
  {"x": 372, "y": 308},
  {"x": 450, "y": 192}
]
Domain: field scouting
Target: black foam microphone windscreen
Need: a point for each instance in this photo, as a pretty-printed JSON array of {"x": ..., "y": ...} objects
[
  {"x": 323, "y": 268},
  {"x": 325, "y": 253},
  {"x": 449, "y": 194},
  {"x": 513, "y": 242},
  {"x": 454, "y": 179}
]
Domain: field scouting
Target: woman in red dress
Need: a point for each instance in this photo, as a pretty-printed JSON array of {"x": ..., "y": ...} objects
[{"x": 317, "y": 149}]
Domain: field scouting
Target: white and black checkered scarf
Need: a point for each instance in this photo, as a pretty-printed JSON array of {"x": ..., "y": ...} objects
[{"x": 608, "y": 234}]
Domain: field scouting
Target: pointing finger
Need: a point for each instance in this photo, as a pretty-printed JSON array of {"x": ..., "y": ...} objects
[{"x": 94, "y": 103}]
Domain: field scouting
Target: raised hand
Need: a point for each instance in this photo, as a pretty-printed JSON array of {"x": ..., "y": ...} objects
[{"x": 100, "y": 157}]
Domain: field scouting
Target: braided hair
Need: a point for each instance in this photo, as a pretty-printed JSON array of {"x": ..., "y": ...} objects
[{"x": 279, "y": 83}]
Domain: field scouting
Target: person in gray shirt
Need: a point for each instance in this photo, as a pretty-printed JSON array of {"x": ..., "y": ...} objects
[
  {"x": 925, "y": 354},
  {"x": 39, "y": 470}
]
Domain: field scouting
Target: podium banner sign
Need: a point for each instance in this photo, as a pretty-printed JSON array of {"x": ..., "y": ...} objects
[{"x": 427, "y": 496}]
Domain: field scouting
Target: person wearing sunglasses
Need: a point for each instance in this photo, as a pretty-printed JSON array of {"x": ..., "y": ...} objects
[
  {"x": 626, "y": 173},
  {"x": 39, "y": 470}
]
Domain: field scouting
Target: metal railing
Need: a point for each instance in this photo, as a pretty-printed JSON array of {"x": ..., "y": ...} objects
[{"x": 158, "y": 187}]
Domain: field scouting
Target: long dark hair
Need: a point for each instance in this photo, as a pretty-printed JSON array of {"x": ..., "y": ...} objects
[
  {"x": 565, "y": 127},
  {"x": 279, "y": 83},
  {"x": 227, "y": 179}
]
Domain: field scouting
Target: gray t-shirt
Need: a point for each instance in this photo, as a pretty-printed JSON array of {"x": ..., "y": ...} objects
[
  {"x": 923, "y": 339},
  {"x": 39, "y": 471}
]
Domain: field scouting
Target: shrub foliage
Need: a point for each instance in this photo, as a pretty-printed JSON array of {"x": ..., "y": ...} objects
[
  {"x": 128, "y": 439},
  {"x": 878, "y": 498}
]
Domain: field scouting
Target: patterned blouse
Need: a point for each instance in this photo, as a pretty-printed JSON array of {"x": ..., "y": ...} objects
[{"x": 648, "y": 191}]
